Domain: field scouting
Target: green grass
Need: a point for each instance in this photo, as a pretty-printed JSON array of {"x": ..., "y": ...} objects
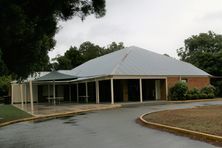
[{"x": 9, "y": 113}]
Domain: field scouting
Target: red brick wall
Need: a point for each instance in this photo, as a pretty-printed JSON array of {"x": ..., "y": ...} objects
[
  {"x": 198, "y": 82},
  {"x": 171, "y": 81},
  {"x": 192, "y": 82}
]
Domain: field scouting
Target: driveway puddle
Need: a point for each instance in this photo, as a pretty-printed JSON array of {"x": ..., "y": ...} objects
[{"x": 72, "y": 122}]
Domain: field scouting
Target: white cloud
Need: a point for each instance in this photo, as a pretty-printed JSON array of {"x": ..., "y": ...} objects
[{"x": 157, "y": 25}]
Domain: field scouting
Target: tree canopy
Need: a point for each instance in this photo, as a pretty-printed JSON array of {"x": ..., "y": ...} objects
[
  {"x": 86, "y": 51},
  {"x": 28, "y": 27},
  {"x": 204, "y": 51}
]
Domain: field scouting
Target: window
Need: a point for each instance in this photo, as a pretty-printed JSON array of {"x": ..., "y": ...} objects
[{"x": 184, "y": 80}]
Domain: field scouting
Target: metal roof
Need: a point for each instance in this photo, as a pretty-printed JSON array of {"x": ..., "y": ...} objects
[
  {"x": 55, "y": 75},
  {"x": 135, "y": 61}
]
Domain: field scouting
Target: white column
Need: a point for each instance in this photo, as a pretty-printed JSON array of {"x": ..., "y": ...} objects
[
  {"x": 31, "y": 96},
  {"x": 87, "y": 93},
  {"x": 77, "y": 92},
  {"x": 112, "y": 92},
  {"x": 70, "y": 96},
  {"x": 97, "y": 92},
  {"x": 141, "y": 91},
  {"x": 25, "y": 91},
  {"x": 54, "y": 91},
  {"x": 21, "y": 95},
  {"x": 157, "y": 89},
  {"x": 12, "y": 93}
]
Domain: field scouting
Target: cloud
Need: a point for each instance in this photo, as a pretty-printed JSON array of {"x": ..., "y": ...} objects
[
  {"x": 213, "y": 16},
  {"x": 159, "y": 25}
]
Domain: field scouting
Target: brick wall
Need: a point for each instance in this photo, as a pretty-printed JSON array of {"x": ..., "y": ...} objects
[
  {"x": 193, "y": 82},
  {"x": 171, "y": 81},
  {"x": 198, "y": 82}
]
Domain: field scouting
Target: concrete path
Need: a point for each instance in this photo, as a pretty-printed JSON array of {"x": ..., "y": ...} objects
[
  {"x": 49, "y": 109},
  {"x": 114, "y": 128}
]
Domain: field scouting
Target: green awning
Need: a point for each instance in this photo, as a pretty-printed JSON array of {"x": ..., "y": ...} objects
[{"x": 56, "y": 76}]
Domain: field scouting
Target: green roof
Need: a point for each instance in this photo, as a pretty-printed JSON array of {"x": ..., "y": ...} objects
[{"x": 55, "y": 75}]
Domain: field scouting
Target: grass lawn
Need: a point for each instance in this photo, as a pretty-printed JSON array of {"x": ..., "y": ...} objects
[
  {"x": 207, "y": 119},
  {"x": 9, "y": 113}
]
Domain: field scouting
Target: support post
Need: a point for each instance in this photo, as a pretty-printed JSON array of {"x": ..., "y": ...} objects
[
  {"x": 77, "y": 92},
  {"x": 48, "y": 91},
  {"x": 25, "y": 96},
  {"x": 21, "y": 95},
  {"x": 70, "y": 96},
  {"x": 112, "y": 92},
  {"x": 166, "y": 85},
  {"x": 87, "y": 99},
  {"x": 54, "y": 92},
  {"x": 12, "y": 93},
  {"x": 141, "y": 91},
  {"x": 31, "y": 96},
  {"x": 97, "y": 92},
  {"x": 157, "y": 89}
]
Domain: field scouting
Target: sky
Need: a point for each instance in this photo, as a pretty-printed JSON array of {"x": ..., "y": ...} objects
[{"x": 157, "y": 25}]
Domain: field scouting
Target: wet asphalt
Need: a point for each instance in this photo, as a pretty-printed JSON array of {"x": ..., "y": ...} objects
[{"x": 114, "y": 128}]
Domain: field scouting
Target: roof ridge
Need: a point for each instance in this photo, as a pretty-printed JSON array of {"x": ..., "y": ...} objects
[{"x": 121, "y": 61}]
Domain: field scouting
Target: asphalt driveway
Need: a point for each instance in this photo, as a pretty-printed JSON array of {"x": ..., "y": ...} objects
[{"x": 114, "y": 128}]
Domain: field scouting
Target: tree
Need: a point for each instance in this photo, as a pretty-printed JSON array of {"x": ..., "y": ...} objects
[
  {"x": 71, "y": 58},
  {"x": 89, "y": 51},
  {"x": 28, "y": 27},
  {"x": 113, "y": 47},
  {"x": 4, "y": 85},
  {"x": 205, "y": 51},
  {"x": 86, "y": 51}
]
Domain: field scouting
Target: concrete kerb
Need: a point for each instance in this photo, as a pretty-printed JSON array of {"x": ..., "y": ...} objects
[
  {"x": 182, "y": 131},
  {"x": 198, "y": 100},
  {"x": 56, "y": 115}
]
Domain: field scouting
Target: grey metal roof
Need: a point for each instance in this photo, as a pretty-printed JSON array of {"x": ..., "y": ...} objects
[
  {"x": 135, "y": 61},
  {"x": 55, "y": 75}
]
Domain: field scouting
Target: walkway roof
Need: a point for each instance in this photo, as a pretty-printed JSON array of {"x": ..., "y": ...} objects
[{"x": 55, "y": 75}]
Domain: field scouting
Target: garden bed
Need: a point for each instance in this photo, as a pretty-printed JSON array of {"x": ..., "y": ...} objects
[{"x": 207, "y": 119}]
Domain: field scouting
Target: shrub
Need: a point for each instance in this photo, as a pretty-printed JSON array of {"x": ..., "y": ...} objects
[
  {"x": 178, "y": 91},
  {"x": 193, "y": 94},
  {"x": 204, "y": 93},
  {"x": 209, "y": 91},
  {"x": 4, "y": 85},
  {"x": 204, "y": 96}
]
